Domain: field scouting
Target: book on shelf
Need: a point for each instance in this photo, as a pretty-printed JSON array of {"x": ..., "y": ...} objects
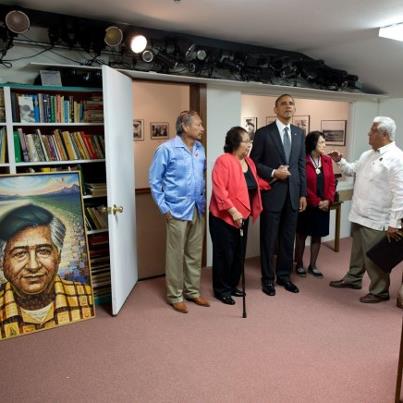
[
  {"x": 56, "y": 108},
  {"x": 3, "y": 145},
  {"x": 26, "y": 108},
  {"x": 17, "y": 147}
]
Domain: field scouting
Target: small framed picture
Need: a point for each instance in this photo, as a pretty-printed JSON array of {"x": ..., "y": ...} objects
[
  {"x": 302, "y": 122},
  {"x": 138, "y": 129},
  {"x": 334, "y": 131},
  {"x": 270, "y": 119},
  {"x": 159, "y": 130},
  {"x": 250, "y": 125}
]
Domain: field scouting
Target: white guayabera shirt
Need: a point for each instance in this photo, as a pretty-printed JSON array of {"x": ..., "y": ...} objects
[{"x": 378, "y": 189}]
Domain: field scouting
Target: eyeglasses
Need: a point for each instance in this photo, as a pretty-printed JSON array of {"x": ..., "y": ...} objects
[{"x": 247, "y": 142}]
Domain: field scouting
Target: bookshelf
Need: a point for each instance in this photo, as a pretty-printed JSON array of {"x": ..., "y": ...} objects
[
  {"x": 44, "y": 129},
  {"x": 113, "y": 249}
]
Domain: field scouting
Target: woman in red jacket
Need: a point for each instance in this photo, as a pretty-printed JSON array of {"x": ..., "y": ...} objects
[
  {"x": 314, "y": 221},
  {"x": 235, "y": 197}
]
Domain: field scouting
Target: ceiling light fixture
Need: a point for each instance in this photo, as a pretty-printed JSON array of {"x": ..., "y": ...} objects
[
  {"x": 138, "y": 43},
  {"x": 17, "y": 22},
  {"x": 113, "y": 36},
  {"x": 392, "y": 32}
]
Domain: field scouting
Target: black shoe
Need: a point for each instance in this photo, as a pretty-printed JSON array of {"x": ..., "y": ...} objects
[
  {"x": 314, "y": 271},
  {"x": 344, "y": 284},
  {"x": 288, "y": 285},
  {"x": 226, "y": 299},
  {"x": 269, "y": 289},
  {"x": 236, "y": 292}
]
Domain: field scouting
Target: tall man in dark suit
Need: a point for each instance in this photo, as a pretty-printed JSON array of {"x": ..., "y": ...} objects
[{"x": 279, "y": 154}]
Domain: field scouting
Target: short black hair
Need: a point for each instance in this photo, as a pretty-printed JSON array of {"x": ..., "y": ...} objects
[
  {"x": 282, "y": 96},
  {"x": 311, "y": 140},
  {"x": 233, "y": 139}
]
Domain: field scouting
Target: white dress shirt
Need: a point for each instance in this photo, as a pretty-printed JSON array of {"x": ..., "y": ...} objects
[
  {"x": 378, "y": 188},
  {"x": 281, "y": 126}
]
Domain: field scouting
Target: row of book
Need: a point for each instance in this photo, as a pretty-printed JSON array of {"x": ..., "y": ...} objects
[
  {"x": 46, "y": 108},
  {"x": 2, "y": 106},
  {"x": 96, "y": 217},
  {"x": 95, "y": 189},
  {"x": 3, "y": 145},
  {"x": 98, "y": 245},
  {"x": 58, "y": 146}
]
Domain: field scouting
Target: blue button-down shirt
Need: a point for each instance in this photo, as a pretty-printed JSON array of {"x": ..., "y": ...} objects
[{"x": 177, "y": 178}]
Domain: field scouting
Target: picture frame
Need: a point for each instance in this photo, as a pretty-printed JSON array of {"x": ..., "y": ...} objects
[
  {"x": 334, "y": 132},
  {"x": 138, "y": 129},
  {"x": 43, "y": 213},
  {"x": 303, "y": 122},
  {"x": 250, "y": 125},
  {"x": 270, "y": 119},
  {"x": 159, "y": 130}
]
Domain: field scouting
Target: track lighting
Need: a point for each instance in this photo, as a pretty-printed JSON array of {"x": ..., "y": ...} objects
[
  {"x": 113, "y": 36},
  {"x": 147, "y": 56},
  {"x": 138, "y": 43},
  {"x": 17, "y": 22}
]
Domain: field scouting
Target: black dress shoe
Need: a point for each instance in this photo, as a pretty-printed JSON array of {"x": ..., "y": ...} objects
[
  {"x": 226, "y": 299},
  {"x": 344, "y": 284},
  {"x": 236, "y": 292},
  {"x": 269, "y": 289},
  {"x": 288, "y": 285}
]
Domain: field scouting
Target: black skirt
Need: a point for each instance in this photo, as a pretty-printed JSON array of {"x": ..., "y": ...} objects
[{"x": 313, "y": 222}]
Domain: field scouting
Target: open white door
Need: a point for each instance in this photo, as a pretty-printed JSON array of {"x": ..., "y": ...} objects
[{"x": 118, "y": 117}]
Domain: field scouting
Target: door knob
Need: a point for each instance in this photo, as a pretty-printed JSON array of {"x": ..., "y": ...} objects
[{"x": 112, "y": 210}]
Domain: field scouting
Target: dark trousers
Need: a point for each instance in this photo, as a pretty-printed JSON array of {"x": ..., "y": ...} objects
[
  {"x": 277, "y": 226},
  {"x": 228, "y": 255}
]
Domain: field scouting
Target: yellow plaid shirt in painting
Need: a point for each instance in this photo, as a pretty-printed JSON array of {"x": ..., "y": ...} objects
[{"x": 73, "y": 302}]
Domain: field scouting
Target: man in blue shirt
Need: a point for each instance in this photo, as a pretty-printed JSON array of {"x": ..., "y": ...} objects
[{"x": 177, "y": 181}]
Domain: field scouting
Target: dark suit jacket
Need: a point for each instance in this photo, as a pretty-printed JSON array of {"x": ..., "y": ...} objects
[{"x": 268, "y": 154}]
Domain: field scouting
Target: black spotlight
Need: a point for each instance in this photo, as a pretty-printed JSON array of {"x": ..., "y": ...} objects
[
  {"x": 17, "y": 22},
  {"x": 147, "y": 56},
  {"x": 113, "y": 36}
]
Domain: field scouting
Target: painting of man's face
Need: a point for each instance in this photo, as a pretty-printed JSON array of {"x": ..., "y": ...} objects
[{"x": 31, "y": 260}]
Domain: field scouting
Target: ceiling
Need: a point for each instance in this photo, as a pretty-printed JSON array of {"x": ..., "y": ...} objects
[{"x": 343, "y": 33}]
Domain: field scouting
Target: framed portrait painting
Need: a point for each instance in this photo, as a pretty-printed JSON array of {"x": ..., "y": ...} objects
[
  {"x": 138, "y": 129},
  {"x": 159, "y": 130},
  {"x": 302, "y": 122},
  {"x": 334, "y": 132},
  {"x": 45, "y": 278},
  {"x": 250, "y": 125}
]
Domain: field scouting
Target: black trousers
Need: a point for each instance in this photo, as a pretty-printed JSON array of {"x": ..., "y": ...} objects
[
  {"x": 228, "y": 255},
  {"x": 277, "y": 226}
]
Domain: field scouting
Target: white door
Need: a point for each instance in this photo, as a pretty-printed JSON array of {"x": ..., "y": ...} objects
[{"x": 118, "y": 117}]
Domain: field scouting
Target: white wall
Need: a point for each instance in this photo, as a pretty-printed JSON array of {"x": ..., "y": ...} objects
[
  {"x": 223, "y": 112},
  {"x": 155, "y": 102},
  {"x": 394, "y": 109}
]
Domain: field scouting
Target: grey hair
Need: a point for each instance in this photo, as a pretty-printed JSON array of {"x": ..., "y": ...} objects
[
  {"x": 57, "y": 234},
  {"x": 184, "y": 119},
  {"x": 386, "y": 124}
]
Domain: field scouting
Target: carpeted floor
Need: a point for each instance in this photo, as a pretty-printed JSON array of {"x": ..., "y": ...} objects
[{"x": 321, "y": 345}]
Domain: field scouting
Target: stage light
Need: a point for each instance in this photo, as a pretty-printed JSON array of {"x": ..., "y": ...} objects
[
  {"x": 147, "y": 56},
  {"x": 113, "y": 36},
  {"x": 201, "y": 54},
  {"x": 392, "y": 32},
  {"x": 138, "y": 43},
  {"x": 17, "y": 22}
]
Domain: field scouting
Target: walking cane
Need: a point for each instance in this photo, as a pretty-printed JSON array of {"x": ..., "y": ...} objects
[{"x": 243, "y": 273}]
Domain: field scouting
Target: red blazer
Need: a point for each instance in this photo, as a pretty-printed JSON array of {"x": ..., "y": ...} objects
[
  {"x": 329, "y": 188},
  {"x": 230, "y": 189}
]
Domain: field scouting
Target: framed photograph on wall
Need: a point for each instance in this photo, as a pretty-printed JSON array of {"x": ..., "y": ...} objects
[
  {"x": 334, "y": 131},
  {"x": 159, "y": 130},
  {"x": 302, "y": 122},
  {"x": 138, "y": 129},
  {"x": 270, "y": 119},
  {"x": 250, "y": 125},
  {"x": 42, "y": 224}
]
